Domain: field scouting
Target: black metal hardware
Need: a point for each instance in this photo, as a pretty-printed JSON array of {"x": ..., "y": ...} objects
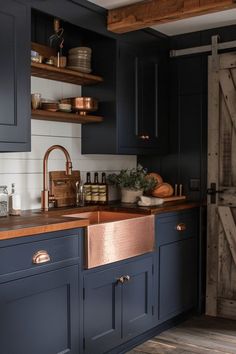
[{"x": 212, "y": 192}]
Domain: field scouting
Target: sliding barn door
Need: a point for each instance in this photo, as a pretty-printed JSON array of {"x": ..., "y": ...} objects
[{"x": 221, "y": 244}]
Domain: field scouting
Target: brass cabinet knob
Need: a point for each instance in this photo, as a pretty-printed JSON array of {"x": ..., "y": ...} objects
[
  {"x": 41, "y": 257},
  {"x": 123, "y": 279},
  {"x": 181, "y": 227},
  {"x": 126, "y": 278},
  {"x": 144, "y": 137}
]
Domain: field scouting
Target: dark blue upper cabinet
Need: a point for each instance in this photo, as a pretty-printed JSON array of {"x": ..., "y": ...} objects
[
  {"x": 133, "y": 98},
  {"x": 15, "y": 76},
  {"x": 141, "y": 124}
]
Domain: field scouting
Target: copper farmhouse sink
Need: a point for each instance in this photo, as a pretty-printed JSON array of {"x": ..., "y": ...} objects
[{"x": 113, "y": 236}]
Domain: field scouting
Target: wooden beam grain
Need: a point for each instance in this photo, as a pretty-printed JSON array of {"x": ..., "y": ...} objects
[{"x": 152, "y": 12}]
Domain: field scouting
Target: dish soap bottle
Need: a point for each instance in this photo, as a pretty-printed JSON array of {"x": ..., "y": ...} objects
[{"x": 14, "y": 202}]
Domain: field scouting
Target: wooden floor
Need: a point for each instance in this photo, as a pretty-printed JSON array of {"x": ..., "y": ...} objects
[{"x": 203, "y": 335}]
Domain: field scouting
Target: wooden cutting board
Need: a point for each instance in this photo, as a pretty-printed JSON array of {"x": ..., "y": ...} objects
[
  {"x": 63, "y": 188},
  {"x": 174, "y": 198}
]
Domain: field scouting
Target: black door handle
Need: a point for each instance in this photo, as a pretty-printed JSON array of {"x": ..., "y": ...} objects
[{"x": 212, "y": 192}]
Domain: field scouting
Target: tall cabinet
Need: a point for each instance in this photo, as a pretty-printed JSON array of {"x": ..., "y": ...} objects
[{"x": 15, "y": 76}]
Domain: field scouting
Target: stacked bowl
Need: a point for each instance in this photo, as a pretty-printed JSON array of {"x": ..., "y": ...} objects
[{"x": 79, "y": 59}]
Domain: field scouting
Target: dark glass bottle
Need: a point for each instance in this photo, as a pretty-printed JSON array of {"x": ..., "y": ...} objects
[
  {"x": 103, "y": 192},
  {"x": 95, "y": 190},
  {"x": 88, "y": 189}
]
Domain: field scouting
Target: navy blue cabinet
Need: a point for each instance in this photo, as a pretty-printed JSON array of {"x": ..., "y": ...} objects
[
  {"x": 117, "y": 304},
  {"x": 39, "y": 313},
  {"x": 142, "y": 126},
  {"x": 132, "y": 98},
  {"x": 39, "y": 302},
  {"x": 177, "y": 263},
  {"x": 15, "y": 76}
]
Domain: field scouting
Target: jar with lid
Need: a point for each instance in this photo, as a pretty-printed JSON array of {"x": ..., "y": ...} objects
[{"x": 3, "y": 201}]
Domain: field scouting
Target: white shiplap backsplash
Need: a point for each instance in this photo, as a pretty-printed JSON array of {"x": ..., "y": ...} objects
[{"x": 25, "y": 169}]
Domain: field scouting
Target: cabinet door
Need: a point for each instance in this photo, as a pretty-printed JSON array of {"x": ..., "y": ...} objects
[
  {"x": 102, "y": 311},
  {"x": 137, "y": 297},
  {"x": 39, "y": 314},
  {"x": 177, "y": 277},
  {"x": 15, "y": 77},
  {"x": 139, "y": 122}
]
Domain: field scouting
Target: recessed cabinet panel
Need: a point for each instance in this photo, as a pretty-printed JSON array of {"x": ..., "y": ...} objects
[
  {"x": 137, "y": 297},
  {"x": 39, "y": 314},
  {"x": 178, "y": 278},
  {"x": 102, "y": 311},
  {"x": 15, "y": 77}
]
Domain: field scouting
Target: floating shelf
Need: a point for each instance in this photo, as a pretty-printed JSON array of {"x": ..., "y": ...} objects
[
  {"x": 51, "y": 72},
  {"x": 64, "y": 117}
]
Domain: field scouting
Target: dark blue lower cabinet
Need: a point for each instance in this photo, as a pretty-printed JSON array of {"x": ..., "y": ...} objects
[
  {"x": 115, "y": 311},
  {"x": 177, "y": 278},
  {"x": 39, "y": 314}
]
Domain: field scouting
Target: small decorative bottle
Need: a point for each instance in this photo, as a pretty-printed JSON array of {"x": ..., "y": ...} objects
[
  {"x": 14, "y": 202},
  {"x": 87, "y": 189},
  {"x": 95, "y": 191},
  {"x": 3, "y": 201},
  {"x": 103, "y": 190}
]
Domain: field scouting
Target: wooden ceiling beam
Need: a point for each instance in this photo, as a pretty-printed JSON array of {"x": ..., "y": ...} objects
[{"x": 152, "y": 12}]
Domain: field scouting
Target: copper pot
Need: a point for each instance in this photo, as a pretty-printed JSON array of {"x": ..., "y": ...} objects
[{"x": 82, "y": 104}]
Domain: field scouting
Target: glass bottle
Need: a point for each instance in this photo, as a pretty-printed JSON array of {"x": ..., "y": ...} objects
[
  {"x": 103, "y": 190},
  {"x": 14, "y": 202},
  {"x": 87, "y": 189},
  {"x": 3, "y": 201},
  {"x": 95, "y": 189}
]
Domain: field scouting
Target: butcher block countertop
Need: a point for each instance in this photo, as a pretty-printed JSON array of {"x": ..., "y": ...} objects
[{"x": 34, "y": 222}]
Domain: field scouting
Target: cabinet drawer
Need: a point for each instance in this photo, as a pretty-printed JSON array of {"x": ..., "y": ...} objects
[
  {"x": 21, "y": 256},
  {"x": 176, "y": 226}
]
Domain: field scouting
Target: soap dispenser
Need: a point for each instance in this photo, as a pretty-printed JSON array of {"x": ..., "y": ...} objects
[{"x": 14, "y": 202}]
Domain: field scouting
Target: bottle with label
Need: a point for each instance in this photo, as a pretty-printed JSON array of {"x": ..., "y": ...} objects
[
  {"x": 88, "y": 189},
  {"x": 14, "y": 202},
  {"x": 103, "y": 190},
  {"x": 3, "y": 201},
  {"x": 95, "y": 189}
]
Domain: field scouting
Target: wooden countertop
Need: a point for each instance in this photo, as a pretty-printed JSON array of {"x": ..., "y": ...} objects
[{"x": 34, "y": 222}]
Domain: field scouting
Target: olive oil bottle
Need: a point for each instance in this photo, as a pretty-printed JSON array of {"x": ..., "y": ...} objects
[{"x": 88, "y": 189}]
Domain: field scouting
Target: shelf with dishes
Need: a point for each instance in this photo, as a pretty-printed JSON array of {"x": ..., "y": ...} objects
[
  {"x": 64, "y": 117},
  {"x": 54, "y": 66}
]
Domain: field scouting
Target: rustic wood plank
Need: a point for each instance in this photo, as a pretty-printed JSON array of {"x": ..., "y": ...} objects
[
  {"x": 227, "y": 308},
  {"x": 213, "y": 177},
  {"x": 51, "y": 72},
  {"x": 229, "y": 93},
  {"x": 227, "y": 61},
  {"x": 64, "y": 117},
  {"x": 229, "y": 226},
  {"x": 148, "y": 13},
  {"x": 225, "y": 145},
  {"x": 199, "y": 335}
]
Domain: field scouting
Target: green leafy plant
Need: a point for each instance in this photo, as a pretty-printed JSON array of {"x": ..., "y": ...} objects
[{"x": 134, "y": 179}]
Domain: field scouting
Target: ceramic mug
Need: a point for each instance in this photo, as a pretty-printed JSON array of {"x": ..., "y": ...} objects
[{"x": 35, "y": 100}]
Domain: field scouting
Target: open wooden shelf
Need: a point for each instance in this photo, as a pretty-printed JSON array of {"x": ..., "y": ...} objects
[
  {"x": 64, "y": 117},
  {"x": 64, "y": 75}
]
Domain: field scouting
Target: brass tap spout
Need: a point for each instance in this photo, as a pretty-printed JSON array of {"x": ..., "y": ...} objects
[{"x": 45, "y": 198}]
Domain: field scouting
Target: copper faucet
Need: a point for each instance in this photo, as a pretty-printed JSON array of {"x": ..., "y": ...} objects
[{"x": 45, "y": 197}]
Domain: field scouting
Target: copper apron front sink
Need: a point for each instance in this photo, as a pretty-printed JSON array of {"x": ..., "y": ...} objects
[{"x": 113, "y": 236}]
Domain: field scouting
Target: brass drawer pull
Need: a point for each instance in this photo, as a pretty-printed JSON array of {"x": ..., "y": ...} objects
[
  {"x": 126, "y": 278},
  {"x": 181, "y": 227},
  {"x": 41, "y": 257},
  {"x": 123, "y": 279}
]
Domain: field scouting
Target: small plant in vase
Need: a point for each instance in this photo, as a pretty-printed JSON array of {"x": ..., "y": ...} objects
[{"x": 133, "y": 183}]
